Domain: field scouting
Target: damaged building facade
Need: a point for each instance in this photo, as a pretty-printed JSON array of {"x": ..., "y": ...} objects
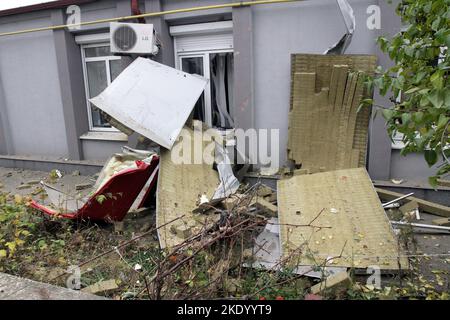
[{"x": 48, "y": 77}]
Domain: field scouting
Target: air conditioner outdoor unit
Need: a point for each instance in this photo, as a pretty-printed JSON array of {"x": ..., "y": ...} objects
[{"x": 134, "y": 38}]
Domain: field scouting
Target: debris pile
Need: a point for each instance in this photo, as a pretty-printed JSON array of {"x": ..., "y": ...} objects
[{"x": 323, "y": 219}]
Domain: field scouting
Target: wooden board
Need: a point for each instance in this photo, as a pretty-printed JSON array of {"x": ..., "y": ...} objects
[
  {"x": 325, "y": 129},
  {"x": 179, "y": 188},
  {"x": 352, "y": 212},
  {"x": 424, "y": 205}
]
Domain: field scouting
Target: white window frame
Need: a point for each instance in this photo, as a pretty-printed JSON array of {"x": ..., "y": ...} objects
[
  {"x": 204, "y": 51},
  {"x": 207, "y": 75},
  {"x": 107, "y": 60}
]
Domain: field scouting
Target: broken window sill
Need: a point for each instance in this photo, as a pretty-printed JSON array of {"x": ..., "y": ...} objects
[{"x": 104, "y": 136}]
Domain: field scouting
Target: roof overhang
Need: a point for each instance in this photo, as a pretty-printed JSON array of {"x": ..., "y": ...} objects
[{"x": 43, "y": 6}]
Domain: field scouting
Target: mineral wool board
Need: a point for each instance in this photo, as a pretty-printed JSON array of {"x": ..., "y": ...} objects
[
  {"x": 337, "y": 213},
  {"x": 182, "y": 181}
]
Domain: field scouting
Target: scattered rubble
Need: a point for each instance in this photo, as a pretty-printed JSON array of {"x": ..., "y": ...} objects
[
  {"x": 335, "y": 283},
  {"x": 424, "y": 205},
  {"x": 442, "y": 222},
  {"x": 212, "y": 234},
  {"x": 101, "y": 286}
]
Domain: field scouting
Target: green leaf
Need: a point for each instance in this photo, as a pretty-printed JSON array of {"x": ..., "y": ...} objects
[
  {"x": 431, "y": 157},
  {"x": 2, "y": 253},
  {"x": 433, "y": 181},
  {"x": 447, "y": 98},
  {"x": 388, "y": 114},
  {"x": 435, "y": 24},
  {"x": 406, "y": 117},
  {"x": 442, "y": 121},
  {"x": 412, "y": 90},
  {"x": 437, "y": 80},
  {"x": 418, "y": 117},
  {"x": 100, "y": 198},
  {"x": 436, "y": 98}
]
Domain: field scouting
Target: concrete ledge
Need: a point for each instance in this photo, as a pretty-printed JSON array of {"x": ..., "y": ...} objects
[
  {"x": 409, "y": 184},
  {"x": 86, "y": 167},
  {"x": 15, "y": 288},
  {"x": 421, "y": 190}
]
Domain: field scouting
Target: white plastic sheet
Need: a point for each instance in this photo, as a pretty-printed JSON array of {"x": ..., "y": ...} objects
[{"x": 152, "y": 99}]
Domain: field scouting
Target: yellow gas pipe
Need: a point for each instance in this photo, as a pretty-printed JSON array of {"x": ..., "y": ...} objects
[{"x": 150, "y": 14}]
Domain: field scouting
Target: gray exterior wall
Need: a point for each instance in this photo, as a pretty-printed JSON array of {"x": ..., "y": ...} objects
[
  {"x": 31, "y": 92},
  {"x": 304, "y": 27},
  {"x": 42, "y": 100}
]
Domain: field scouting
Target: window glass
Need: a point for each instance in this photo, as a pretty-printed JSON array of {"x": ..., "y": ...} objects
[
  {"x": 221, "y": 75},
  {"x": 101, "y": 67},
  {"x": 194, "y": 65},
  {"x": 97, "y": 82},
  {"x": 93, "y": 52},
  {"x": 117, "y": 66}
]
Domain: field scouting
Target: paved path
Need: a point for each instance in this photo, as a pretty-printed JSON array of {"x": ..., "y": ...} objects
[{"x": 15, "y": 288}]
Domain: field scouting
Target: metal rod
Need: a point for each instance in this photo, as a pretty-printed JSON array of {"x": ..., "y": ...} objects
[
  {"x": 420, "y": 225},
  {"x": 150, "y": 14},
  {"x": 398, "y": 199}
]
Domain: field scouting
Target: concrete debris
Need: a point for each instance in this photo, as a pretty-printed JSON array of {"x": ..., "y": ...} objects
[
  {"x": 445, "y": 222},
  {"x": 23, "y": 187},
  {"x": 411, "y": 210},
  {"x": 33, "y": 182},
  {"x": 119, "y": 226},
  {"x": 443, "y": 182},
  {"x": 300, "y": 172},
  {"x": 424, "y": 205},
  {"x": 268, "y": 171},
  {"x": 181, "y": 231},
  {"x": 266, "y": 207},
  {"x": 264, "y": 191},
  {"x": 83, "y": 186},
  {"x": 334, "y": 284},
  {"x": 397, "y": 181},
  {"x": 101, "y": 286}
]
